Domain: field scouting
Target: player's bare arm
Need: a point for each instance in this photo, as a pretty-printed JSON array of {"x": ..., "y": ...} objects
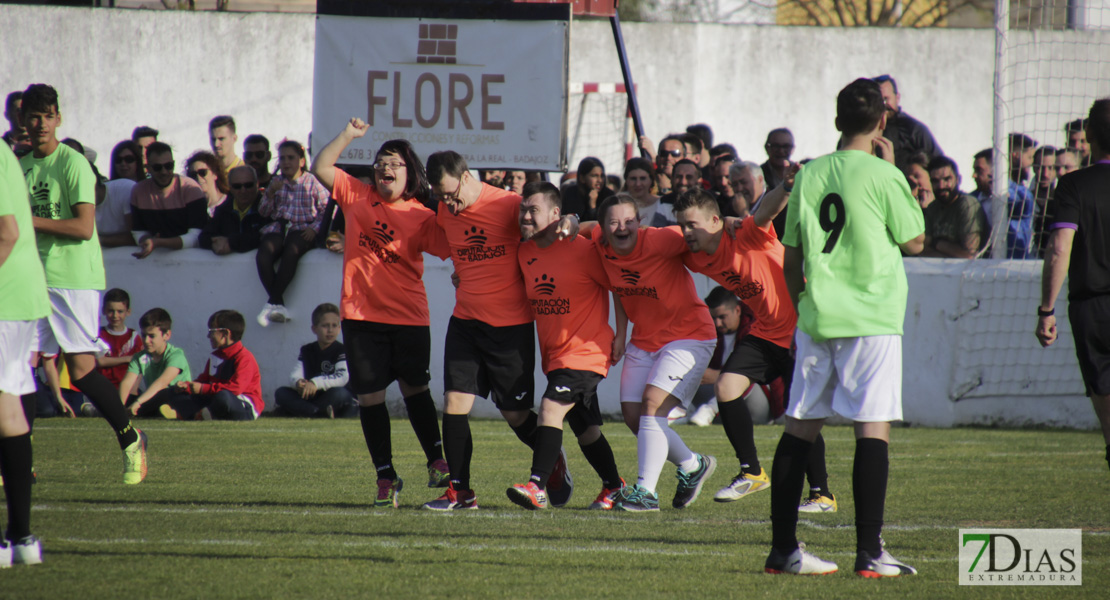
[
  {"x": 323, "y": 167},
  {"x": 775, "y": 200},
  {"x": 80, "y": 227},
  {"x": 1057, "y": 259},
  {"x": 792, "y": 270}
]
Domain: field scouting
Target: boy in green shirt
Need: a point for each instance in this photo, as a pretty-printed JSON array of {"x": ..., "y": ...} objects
[
  {"x": 849, "y": 215},
  {"x": 63, "y": 208},
  {"x": 161, "y": 365}
]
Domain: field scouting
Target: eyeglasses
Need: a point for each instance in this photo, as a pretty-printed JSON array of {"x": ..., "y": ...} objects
[
  {"x": 126, "y": 158},
  {"x": 217, "y": 330},
  {"x": 259, "y": 154},
  {"x": 159, "y": 167},
  {"x": 242, "y": 186},
  {"x": 674, "y": 153},
  {"x": 198, "y": 172},
  {"x": 452, "y": 196},
  {"x": 392, "y": 166}
]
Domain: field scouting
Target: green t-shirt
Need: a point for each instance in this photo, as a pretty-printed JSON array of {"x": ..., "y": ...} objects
[
  {"x": 58, "y": 183},
  {"x": 151, "y": 369},
  {"x": 849, "y": 211},
  {"x": 22, "y": 283}
]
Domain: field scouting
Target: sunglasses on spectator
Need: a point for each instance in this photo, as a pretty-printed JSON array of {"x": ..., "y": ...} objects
[
  {"x": 158, "y": 168},
  {"x": 674, "y": 153},
  {"x": 242, "y": 186},
  {"x": 200, "y": 172},
  {"x": 259, "y": 154},
  {"x": 126, "y": 158},
  {"x": 781, "y": 146}
]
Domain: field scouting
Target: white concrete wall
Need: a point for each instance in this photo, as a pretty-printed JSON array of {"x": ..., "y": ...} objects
[{"x": 948, "y": 341}]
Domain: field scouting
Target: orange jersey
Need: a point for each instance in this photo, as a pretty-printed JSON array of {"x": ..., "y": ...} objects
[
  {"x": 656, "y": 290},
  {"x": 750, "y": 267},
  {"x": 484, "y": 240},
  {"x": 568, "y": 292},
  {"x": 383, "y": 267}
]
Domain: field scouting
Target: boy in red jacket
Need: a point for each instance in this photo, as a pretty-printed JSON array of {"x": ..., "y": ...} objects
[{"x": 230, "y": 387}]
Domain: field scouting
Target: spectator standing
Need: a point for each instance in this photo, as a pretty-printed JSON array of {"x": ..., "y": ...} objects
[
  {"x": 1076, "y": 133},
  {"x": 1067, "y": 160},
  {"x": 639, "y": 178},
  {"x": 779, "y": 147},
  {"x": 908, "y": 135},
  {"x": 296, "y": 202},
  {"x": 167, "y": 210},
  {"x": 221, "y": 135},
  {"x": 685, "y": 175},
  {"x": 955, "y": 224},
  {"x": 256, "y": 153},
  {"x": 917, "y": 175},
  {"x": 721, "y": 185}
]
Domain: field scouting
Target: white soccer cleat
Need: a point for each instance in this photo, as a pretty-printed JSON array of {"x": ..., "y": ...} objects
[
  {"x": 704, "y": 415},
  {"x": 798, "y": 562},
  {"x": 264, "y": 316},
  {"x": 280, "y": 314}
]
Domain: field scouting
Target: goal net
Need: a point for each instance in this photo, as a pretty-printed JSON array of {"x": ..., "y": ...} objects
[
  {"x": 598, "y": 125},
  {"x": 1052, "y": 60}
]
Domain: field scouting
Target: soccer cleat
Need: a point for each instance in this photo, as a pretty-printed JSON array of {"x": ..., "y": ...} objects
[
  {"x": 606, "y": 498},
  {"x": 134, "y": 460},
  {"x": 167, "y": 412},
  {"x": 264, "y": 316},
  {"x": 27, "y": 551},
  {"x": 88, "y": 410},
  {"x": 704, "y": 415},
  {"x": 279, "y": 314},
  {"x": 636, "y": 499},
  {"x": 742, "y": 485},
  {"x": 690, "y": 484},
  {"x": 677, "y": 416},
  {"x": 454, "y": 500},
  {"x": 528, "y": 495},
  {"x": 389, "y": 492},
  {"x": 798, "y": 562},
  {"x": 818, "y": 503},
  {"x": 560, "y": 485},
  {"x": 883, "y": 565},
  {"x": 438, "y": 474},
  {"x": 5, "y": 554}
]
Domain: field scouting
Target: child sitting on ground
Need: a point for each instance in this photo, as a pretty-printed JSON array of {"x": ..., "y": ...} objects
[
  {"x": 320, "y": 375},
  {"x": 123, "y": 342},
  {"x": 230, "y": 388},
  {"x": 160, "y": 365}
]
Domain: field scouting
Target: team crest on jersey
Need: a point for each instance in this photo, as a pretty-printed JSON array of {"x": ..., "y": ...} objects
[
  {"x": 630, "y": 277},
  {"x": 476, "y": 249},
  {"x": 382, "y": 233},
  {"x": 744, "y": 290},
  {"x": 475, "y": 238},
  {"x": 544, "y": 286}
]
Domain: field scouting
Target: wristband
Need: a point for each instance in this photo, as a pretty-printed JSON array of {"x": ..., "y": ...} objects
[{"x": 1045, "y": 313}]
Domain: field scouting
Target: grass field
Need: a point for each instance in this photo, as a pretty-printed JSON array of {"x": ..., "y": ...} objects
[{"x": 280, "y": 508}]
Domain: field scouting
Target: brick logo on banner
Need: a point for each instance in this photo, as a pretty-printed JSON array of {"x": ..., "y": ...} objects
[{"x": 437, "y": 43}]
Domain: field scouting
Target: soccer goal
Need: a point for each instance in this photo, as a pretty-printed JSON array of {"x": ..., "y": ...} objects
[{"x": 598, "y": 125}]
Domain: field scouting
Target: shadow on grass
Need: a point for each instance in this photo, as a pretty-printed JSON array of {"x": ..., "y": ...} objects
[{"x": 222, "y": 504}]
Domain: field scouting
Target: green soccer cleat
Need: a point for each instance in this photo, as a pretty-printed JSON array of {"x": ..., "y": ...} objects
[
  {"x": 389, "y": 492},
  {"x": 134, "y": 460}
]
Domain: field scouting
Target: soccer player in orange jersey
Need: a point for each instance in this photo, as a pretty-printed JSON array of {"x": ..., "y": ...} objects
[
  {"x": 568, "y": 292},
  {"x": 749, "y": 264},
  {"x": 672, "y": 340},
  {"x": 384, "y": 306},
  {"x": 489, "y": 350}
]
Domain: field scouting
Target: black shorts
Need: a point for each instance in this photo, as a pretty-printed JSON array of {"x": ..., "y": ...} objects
[
  {"x": 379, "y": 353},
  {"x": 761, "y": 361},
  {"x": 498, "y": 363},
  {"x": 579, "y": 388},
  {"x": 1090, "y": 325}
]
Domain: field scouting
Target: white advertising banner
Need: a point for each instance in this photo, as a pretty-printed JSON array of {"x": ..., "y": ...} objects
[{"x": 494, "y": 91}]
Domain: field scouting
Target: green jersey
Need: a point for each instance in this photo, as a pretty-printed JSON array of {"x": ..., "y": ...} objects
[
  {"x": 150, "y": 368},
  {"x": 58, "y": 183},
  {"x": 22, "y": 284},
  {"x": 849, "y": 211}
]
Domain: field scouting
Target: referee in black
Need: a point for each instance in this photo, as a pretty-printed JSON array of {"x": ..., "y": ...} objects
[{"x": 1080, "y": 249}]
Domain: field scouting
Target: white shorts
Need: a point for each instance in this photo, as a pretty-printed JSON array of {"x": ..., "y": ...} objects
[
  {"x": 73, "y": 325},
  {"x": 857, "y": 378},
  {"x": 676, "y": 368},
  {"x": 16, "y": 339}
]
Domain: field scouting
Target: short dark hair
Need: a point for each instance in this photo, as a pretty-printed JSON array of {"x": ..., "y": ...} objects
[
  {"x": 1020, "y": 140},
  {"x": 327, "y": 308},
  {"x": 116, "y": 295},
  {"x": 222, "y": 121},
  {"x": 1075, "y": 126},
  {"x": 156, "y": 317},
  {"x": 39, "y": 97},
  {"x": 231, "y": 320},
  {"x": 416, "y": 180},
  {"x": 943, "y": 161},
  {"x": 719, "y": 296},
  {"x": 549, "y": 190},
  {"x": 722, "y": 149},
  {"x": 9, "y": 102},
  {"x": 919, "y": 159},
  {"x": 143, "y": 131},
  {"x": 611, "y": 201},
  {"x": 158, "y": 148},
  {"x": 639, "y": 163},
  {"x": 445, "y": 162},
  {"x": 257, "y": 138},
  {"x": 881, "y": 79},
  {"x": 1099, "y": 124},
  {"x": 297, "y": 147},
  {"x": 859, "y": 107},
  {"x": 777, "y": 130},
  {"x": 696, "y": 197},
  {"x": 693, "y": 140},
  {"x": 1039, "y": 154},
  {"x": 687, "y": 161},
  {"x": 674, "y": 136},
  {"x": 704, "y": 133},
  {"x": 986, "y": 153}
]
